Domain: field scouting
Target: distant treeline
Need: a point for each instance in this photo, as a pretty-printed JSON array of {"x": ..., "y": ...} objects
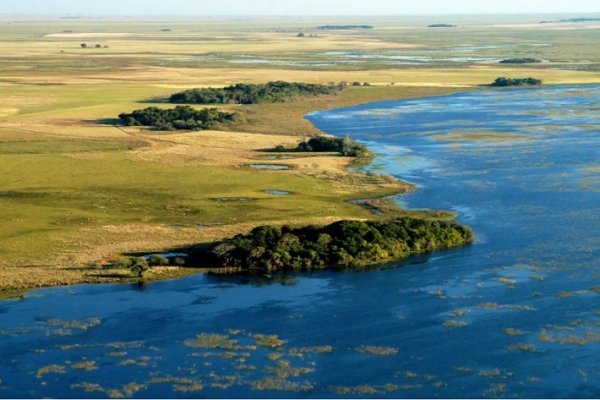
[
  {"x": 524, "y": 60},
  {"x": 243, "y": 93},
  {"x": 441, "y": 26},
  {"x": 503, "y": 82},
  {"x": 343, "y": 27},
  {"x": 581, "y": 19},
  {"x": 344, "y": 244},
  {"x": 180, "y": 117}
]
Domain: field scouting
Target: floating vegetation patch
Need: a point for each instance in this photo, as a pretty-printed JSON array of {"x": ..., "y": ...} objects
[
  {"x": 283, "y": 369},
  {"x": 50, "y": 369},
  {"x": 513, "y": 332},
  {"x": 88, "y": 387},
  {"x": 86, "y": 365},
  {"x": 194, "y": 387},
  {"x": 270, "y": 341},
  {"x": 300, "y": 351},
  {"x": 490, "y": 373},
  {"x": 455, "y": 324},
  {"x": 139, "y": 362},
  {"x": 522, "y": 347},
  {"x": 212, "y": 341},
  {"x": 281, "y": 385},
  {"x": 589, "y": 336},
  {"x": 377, "y": 350},
  {"x": 364, "y": 390}
]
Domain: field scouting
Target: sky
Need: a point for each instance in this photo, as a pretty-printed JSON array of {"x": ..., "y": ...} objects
[{"x": 294, "y": 7}]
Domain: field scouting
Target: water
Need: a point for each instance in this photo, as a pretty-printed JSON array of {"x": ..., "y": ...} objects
[
  {"x": 276, "y": 167},
  {"x": 277, "y": 192},
  {"x": 515, "y": 315}
]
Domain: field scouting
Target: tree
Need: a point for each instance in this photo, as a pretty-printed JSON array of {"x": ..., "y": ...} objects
[
  {"x": 140, "y": 266},
  {"x": 301, "y": 34},
  {"x": 84, "y": 45}
]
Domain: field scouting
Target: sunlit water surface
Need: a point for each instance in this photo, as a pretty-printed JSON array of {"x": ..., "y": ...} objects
[{"x": 515, "y": 315}]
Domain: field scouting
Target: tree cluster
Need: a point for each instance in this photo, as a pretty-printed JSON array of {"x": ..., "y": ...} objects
[
  {"x": 180, "y": 117},
  {"x": 345, "y": 146},
  {"x": 524, "y": 60},
  {"x": 503, "y": 82},
  {"x": 441, "y": 26},
  {"x": 243, "y": 93},
  {"x": 344, "y": 244}
]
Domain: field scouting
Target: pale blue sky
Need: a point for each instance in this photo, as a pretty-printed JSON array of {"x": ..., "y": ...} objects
[{"x": 293, "y": 7}]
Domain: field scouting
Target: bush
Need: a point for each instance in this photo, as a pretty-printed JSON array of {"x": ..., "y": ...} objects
[
  {"x": 139, "y": 266},
  {"x": 156, "y": 260}
]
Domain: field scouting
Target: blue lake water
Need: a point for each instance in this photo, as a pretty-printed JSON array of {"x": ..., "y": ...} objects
[{"x": 515, "y": 315}]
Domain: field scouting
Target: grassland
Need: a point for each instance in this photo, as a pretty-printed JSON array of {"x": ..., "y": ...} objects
[{"x": 77, "y": 190}]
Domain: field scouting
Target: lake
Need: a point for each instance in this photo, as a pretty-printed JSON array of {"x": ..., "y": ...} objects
[{"x": 515, "y": 315}]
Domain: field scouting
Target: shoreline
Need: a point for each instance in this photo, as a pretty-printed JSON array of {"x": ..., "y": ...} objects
[{"x": 378, "y": 205}]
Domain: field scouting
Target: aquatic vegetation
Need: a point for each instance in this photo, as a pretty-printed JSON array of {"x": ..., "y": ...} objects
[
  {"x": 522, "y": 347},
  {"x": 377, "y": 350},
  {"x": 364, "y": 390},
  {"x": 282, "y": 385},
  {"x": 82, "y": 325},
  {"x": 86, "y": 365},
  {"x": 513, "y": 332},
  {"x": 194, "y": 387},
  {"x": 88, "y": 387},
  {"x": 50, "y": 369},
  {"x": 455, "y": 324},
  {"x": 117, "y": 354},
  {"x": 490, "y": 373},
  {"x": 212, "y": 341},
  {"x": 300, "y": 351},
  {"x": 270, "y": 341},
  {"x": 283, "y": 369}
]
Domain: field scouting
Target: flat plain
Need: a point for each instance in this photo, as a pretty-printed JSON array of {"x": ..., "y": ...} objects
[{"x": 78, "y": 189}]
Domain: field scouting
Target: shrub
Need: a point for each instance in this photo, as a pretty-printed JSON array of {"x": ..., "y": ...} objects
[{"x": 157, "y": 260}]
